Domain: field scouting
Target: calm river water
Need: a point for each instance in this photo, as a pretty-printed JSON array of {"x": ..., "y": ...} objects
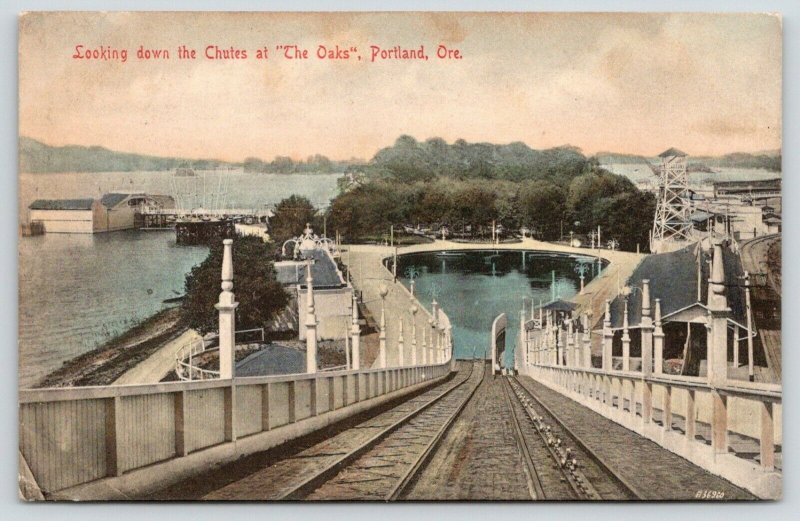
[
  {"x": 76, "y": 291},
  {"x": 476, "y": 287}
]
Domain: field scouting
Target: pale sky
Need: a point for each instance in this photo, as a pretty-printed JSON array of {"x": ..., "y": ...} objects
[{"x": 637, "y": 83}]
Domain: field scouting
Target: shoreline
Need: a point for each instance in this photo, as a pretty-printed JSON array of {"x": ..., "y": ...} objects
[{"x": 109, "y": 361}]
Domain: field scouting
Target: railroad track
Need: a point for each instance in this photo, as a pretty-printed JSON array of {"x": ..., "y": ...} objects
[
  {"x": 560, "y": 465},
  {"x": 382, "y": 468}
]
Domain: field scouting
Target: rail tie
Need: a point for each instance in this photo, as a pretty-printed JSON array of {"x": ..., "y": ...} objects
[
  {"x": 317, "y": 480},
  {"x": 577, "y": 479}
]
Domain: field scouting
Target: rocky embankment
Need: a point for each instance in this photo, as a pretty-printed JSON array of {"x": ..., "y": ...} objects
[{"x": 102, "y": 366}]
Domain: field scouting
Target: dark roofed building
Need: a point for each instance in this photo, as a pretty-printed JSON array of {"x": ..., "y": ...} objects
[
  {"x": 751, "y": 187},
  {"x": 61, "y": 204},
  {"x": 113, "y": 211},
  {"x": 674, "y": 278},
  {"x": 680, "y": 281}
]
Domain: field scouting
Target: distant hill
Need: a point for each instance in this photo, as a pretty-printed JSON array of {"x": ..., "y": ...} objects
[
  {"x": 37, "y": 157},
  {"x": 768, "y": 160},
  {"x": 606, "y": 158},
  {"x": 744, "y": 160}
]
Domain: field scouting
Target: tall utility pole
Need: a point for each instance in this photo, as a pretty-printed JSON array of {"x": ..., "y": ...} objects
[{"x": 750, "y": 370}]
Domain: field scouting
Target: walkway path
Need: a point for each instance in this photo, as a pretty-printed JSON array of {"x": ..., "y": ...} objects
[{"x": 159, "y": 364}]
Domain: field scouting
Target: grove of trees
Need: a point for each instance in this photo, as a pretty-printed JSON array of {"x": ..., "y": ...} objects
[
  {"x": 469, "y": 185},
  {"x": 291, "y": 215},
  {"x": 259, "y": 294}
]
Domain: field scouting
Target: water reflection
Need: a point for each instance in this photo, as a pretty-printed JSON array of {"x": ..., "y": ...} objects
[{"x": 474, "y": 287}]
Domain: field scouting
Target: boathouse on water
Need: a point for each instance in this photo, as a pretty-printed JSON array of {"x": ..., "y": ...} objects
[{"x": 112, "y": 212}]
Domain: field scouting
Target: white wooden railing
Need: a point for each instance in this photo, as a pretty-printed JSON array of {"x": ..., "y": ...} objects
[{"x": 75, "y": 436}]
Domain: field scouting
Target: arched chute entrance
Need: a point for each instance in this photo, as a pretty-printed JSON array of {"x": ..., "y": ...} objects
[{"x": 498, "y": 342}]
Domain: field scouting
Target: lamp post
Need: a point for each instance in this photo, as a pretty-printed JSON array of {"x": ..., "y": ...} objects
[
  {"x": 311, "y": 324},
  {"x": 582, "y": 269}
]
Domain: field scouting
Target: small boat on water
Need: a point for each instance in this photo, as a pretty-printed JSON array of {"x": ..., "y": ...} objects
[{"x": 450, "y": 254}]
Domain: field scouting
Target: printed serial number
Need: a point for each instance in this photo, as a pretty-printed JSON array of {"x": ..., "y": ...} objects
[{"x": 709, "y": 494}]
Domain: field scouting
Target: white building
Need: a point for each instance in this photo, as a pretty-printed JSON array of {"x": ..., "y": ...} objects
[{"x": 112, "y": 212}]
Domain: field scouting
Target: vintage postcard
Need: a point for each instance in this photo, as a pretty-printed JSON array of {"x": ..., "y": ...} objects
[{"x": 400, "y": 256}]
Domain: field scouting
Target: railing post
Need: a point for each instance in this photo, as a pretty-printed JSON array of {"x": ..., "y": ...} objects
[
  {"x": 230, "y": 412},
  {"x": 113, "y": 429},
  {"x": 666, "y": 416},
  {"x": 290, "y": 396},
  {"x": 570, "y": 355},
  {"x": 311, "y": 324},
  {"x": 718, "y": 312},
  {"x": 691, "y": 413},
  {"x": 767, "y": 441},
  {"x": 646, "y": 329},
  {"x": 632, "y": 388},
  {"x": 719, "y": 423},
  {"x": 227, "y": 315},
  {"x": 647, "y": 401},
  {"x": 658, "y": 342},
  {"x": 355, "y": 341},
  {"x": 587, "y": 340},
  {"x": 314, "y": 398},
  {"x": 265, "y": 407},
  {"x": 180, "y": 423},
  {"x": 626, "y": 339},
  {"x": 608, "y": 339}
]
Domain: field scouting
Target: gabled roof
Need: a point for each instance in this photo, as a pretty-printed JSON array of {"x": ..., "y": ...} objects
[
  {"x": 673, "y": 279},
  {"x": 62, "y": 204},
  {"x": 113, "y": 199},
  {"x": 672, "y": 152}
]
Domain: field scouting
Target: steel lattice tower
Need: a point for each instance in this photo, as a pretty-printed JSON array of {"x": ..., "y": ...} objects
[{"x": 671, "y": 226}]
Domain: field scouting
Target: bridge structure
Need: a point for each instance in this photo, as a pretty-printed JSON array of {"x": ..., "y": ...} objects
[{"x": 409, "y": 422}]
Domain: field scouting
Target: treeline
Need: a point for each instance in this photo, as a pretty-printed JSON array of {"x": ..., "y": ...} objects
[
  {"x": 409, "y": 160},
  {"x": 37, "y": 157},
  {"x": 467, "y": 186},
  {"x": 316, "y": 164}
]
